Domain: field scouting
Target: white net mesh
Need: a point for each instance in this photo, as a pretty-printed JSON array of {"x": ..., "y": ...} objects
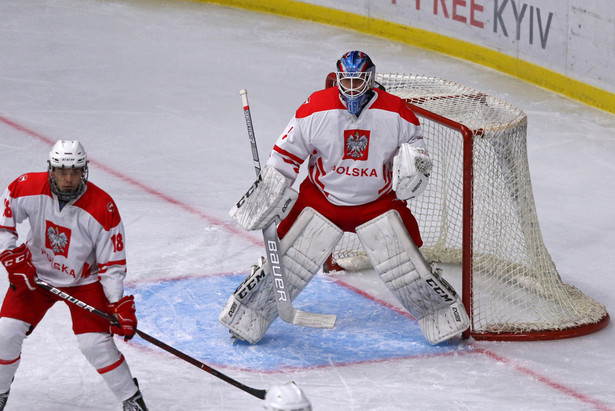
[{"x": 515, "y": 287}]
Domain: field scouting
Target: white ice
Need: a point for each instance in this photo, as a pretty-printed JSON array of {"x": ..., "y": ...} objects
[{"x": 152, "y": 90}]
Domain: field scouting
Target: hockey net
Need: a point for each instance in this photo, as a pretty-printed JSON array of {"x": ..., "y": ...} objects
[{"x": 478, "y": 211}]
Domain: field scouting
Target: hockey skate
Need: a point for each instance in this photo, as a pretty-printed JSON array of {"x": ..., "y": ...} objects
[
  {"x": 136, "y": 402},
  {"x": 3, "y": 399}
]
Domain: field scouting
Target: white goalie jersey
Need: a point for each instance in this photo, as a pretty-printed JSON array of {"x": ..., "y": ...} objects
[
  {"x": 350, "y": 157},
  {"x": 77, "y": 245}
]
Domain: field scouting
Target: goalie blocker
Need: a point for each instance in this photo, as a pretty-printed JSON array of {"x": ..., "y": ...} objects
[{"x": 268, "y": 199}]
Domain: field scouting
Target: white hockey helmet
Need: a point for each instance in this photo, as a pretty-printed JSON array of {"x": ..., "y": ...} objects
[
  {"x": 67, "y": 154},
  {"x": 286, "y": 397}
]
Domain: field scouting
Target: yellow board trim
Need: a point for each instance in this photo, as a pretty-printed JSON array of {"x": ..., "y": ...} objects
[{"x": 522, "y": 69}]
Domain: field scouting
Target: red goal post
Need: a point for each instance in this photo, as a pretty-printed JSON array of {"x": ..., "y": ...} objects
[{"x": 478, "y": 212}]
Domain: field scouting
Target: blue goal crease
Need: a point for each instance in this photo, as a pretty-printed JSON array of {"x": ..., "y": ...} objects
[{"x": 184, "y": 314}]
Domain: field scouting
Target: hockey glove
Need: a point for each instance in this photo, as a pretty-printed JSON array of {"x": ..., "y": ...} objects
[
  {"x": 411, "y": 168},
  {"x": 18, "y": 263},
  {"x": 125, "y": 312}
]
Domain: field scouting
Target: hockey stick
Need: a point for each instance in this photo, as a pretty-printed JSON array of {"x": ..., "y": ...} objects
[
  {"x": 287, "y": 312},
  {"x": 113, "y": 321}
]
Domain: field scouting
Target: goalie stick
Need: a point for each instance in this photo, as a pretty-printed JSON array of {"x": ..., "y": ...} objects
[
  {"x": 113, "y": 321},
  {"x": 286, "y": 311}
]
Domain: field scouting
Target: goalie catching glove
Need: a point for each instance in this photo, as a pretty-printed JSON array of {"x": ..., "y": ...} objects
[
  {"x": 125, "y": 312},
  {"x": 18, "y": 263},
  {"x": 269, "y": 198},
  {"x": 411, "y": 169}
]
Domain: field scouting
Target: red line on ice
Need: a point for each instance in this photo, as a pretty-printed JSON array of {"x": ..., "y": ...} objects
[
  {"x": 186, "y": 207},
  {"x": 477, "y": 349},
  {"x": 522, "y": 369}
]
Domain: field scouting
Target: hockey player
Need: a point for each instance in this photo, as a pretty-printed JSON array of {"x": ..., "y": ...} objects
[
  {"x": 76, "y": 243},
  {"x": 366, "y": 156}
]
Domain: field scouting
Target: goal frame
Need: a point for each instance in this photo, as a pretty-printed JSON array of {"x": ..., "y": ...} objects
[
  {"x": 424, "y": 95},
  {"x": 467, "y": 250}
]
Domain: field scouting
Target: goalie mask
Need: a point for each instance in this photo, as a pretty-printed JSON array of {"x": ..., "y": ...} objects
[
  {"x": 67, "y": 169},
  {"x": 355, "y": 79}
]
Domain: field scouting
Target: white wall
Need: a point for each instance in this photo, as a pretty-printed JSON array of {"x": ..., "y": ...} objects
[{"x": 575, "y": 38}]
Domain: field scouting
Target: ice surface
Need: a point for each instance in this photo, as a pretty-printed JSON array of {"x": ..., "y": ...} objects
[{"x": 151, "y": 88}]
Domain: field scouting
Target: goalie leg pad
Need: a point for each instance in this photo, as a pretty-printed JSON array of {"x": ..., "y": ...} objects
[
  {"x": 445, "y": 323},
  {"x": 251, "y": 309},
  {"x": 410, "y": 278}
]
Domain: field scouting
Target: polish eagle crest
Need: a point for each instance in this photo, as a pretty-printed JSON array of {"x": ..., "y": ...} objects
[
  {"x": 58, "y": 240},
  {"x": 356, "y": 145}
]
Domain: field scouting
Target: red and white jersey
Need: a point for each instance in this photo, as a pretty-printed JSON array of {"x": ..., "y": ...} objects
[
  {"x": 350, "y": 157},
  {"x": 80, "y": 244}
]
